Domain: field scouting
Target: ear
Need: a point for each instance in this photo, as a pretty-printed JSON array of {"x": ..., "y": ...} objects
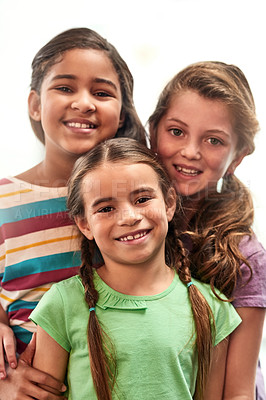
[
  {"x": 34, "y": 105},
  {"x": 83, "y": 226},
  {"x": 122, "y": 119},
  {"x": 170, "y": 204},
  {"x": 238, "y": 159}
]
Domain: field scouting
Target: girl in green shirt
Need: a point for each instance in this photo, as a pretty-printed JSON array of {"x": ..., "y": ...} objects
[{"x": 153, "y": 333}]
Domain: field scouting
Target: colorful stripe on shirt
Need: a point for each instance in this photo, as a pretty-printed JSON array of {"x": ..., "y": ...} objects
[{"x": 38, "y": 246}]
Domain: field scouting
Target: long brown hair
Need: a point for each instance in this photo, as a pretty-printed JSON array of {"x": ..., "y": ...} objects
[
  {"x": 84, "y": 38},
  {"x": 222, "y": 218},
  {"x": 101, "y": 351}
]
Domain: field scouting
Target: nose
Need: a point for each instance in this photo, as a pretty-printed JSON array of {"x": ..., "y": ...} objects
[
  {"x": 84, "y": 102},
  {"x": 129, "y": 216},
  {"x": 191, "y": 150}
]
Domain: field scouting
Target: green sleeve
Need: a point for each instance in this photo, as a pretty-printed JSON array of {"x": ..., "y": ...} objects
[
  {"x": 50, "y": 315},
  {"x": 225, "y": 316},
  {"x": 226, "y": 320}
]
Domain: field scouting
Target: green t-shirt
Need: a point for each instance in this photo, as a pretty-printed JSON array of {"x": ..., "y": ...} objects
[{"x": 154, "y": 337}]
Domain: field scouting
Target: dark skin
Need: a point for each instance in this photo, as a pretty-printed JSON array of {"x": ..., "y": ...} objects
[{"x": 23, "y": 382}]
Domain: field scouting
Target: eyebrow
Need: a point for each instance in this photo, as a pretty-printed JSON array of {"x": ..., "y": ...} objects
[
  {"x": 218, "y": 131},
  {"x": 134, "y": 192},
  {"x": 143, "y": 189},
  {"x": 96, "y": 80},
  {"x": 177, "y": 120},
  {"x": 102, "y": 200}
]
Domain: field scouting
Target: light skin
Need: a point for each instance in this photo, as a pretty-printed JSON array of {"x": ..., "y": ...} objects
[
  {"x": 79, "y": 106},
  {"x": 197, "y": 144},
  {"x": 128, "y": 219}
]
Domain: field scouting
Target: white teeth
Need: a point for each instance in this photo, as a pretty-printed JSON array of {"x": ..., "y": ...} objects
[
  {"x": 187, "y": 171},
  {"x": 79, "y": 125},
  {"x": 130, "y": 237}
]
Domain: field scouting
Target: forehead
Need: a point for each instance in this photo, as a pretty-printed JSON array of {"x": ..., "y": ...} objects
[
  {"x": 188, "y": 99},
  {"x": 119, "y": 179},
  {"x": 194, "y": 109},
  {"x": 78, "y": 61}
]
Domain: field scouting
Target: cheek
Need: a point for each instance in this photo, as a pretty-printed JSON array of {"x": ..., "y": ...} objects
[
  {"x": 112, "y": 112},
  {"x": 219, "y": 164},
  {"x": 164, "y": 149},
  {"x": 48, "y": 111}
]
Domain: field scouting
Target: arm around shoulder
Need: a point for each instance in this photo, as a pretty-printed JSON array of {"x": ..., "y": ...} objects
[
  {"x": 7, "y": 344},
  {"x": 215, "y": 383},
  {"x": 243, "y": 353}
]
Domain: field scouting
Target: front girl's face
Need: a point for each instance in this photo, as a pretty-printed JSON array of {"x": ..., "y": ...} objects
[
  {"x": 125, "y": 213},
  {"x": 80, "y": 102},
  {"x": 197, "y": 144}
]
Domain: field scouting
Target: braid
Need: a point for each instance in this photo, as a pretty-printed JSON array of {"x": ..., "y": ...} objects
[
  {"x": 202, "y": 313},
  {"x": 102, "y": 362}
]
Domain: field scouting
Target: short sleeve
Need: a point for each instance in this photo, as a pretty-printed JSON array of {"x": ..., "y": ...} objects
[
  {"x": 49, "y": 314},
  {"x": 251, "y": 293},
  {"x": 226, "y": 320},
  {"x": 225, "y": 316}
]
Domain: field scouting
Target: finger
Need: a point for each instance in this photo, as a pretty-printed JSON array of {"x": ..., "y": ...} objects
[
  {"x": 37, "y": 392},
  {"x": 26, "y": 390},
  {"x": 2, "y": 363},
  {"x": 41, "y": 378},
  {"x": 43, "y": 392},
  {"x": 10, "y": 351},
  {"x": 28, "y": 353}
]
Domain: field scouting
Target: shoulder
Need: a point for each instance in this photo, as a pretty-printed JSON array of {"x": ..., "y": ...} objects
[
  {"x": 69, "y": 287},
  {"x": 250, "y": 246},
  {"x": 60, "y": 296},
  {"x": 63, "y": 292},
  {"x": 255, "y": 254},
  {"x": 250, "y": 289},
  {"x": 216, "y": 302},
  {"x": 7, "y": 186},
  {"x": 207, "y": 292},
  {"x": 226, "y": 319}
]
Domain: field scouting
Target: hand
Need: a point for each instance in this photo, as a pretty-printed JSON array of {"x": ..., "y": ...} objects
[
  {"x": 7, "y": 349},
  {"x": 21, "y": 383}
]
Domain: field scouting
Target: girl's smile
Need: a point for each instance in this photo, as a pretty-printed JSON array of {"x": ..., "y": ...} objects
[
  {"x": 80, "y": 102},
  {"x": 196, "y": 143},
  {"x": 125, "y": 213},
  {"x": 134, "y": 236}
]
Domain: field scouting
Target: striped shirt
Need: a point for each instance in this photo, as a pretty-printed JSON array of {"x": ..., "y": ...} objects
[{"x": 38, "y": 246}]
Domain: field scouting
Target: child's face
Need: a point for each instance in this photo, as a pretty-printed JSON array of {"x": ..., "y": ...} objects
[
  {"x": 126, "y": 214},
  {"x": 80, "y": 102},
  {"x": 196, "y": 143}
]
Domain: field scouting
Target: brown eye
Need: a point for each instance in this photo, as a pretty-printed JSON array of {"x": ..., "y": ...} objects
[
  {"x": 176, "y": 132},
  {"x": 106, "y": 209},
  {"x": 214, "y": 141},
  {"x": 142, "y": 200},
  {"x": 64, "y": 89}
]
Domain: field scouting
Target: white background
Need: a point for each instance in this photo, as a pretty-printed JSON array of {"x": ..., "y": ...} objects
[{"x": 157, "y": 38}]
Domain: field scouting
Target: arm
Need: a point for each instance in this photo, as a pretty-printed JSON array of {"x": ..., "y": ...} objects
[
  {"x": 215, "y": 380},
  {"x": 243, "y": 353},
  {"x": 50, "y": 357},
  {"x": 20, "y": 383},
  {"x": 7, "y": 344}
]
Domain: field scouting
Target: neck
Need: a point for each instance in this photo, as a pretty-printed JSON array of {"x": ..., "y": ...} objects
[
  {"x": 50, "y": 172},
  {"x": 137, "y": 280}
]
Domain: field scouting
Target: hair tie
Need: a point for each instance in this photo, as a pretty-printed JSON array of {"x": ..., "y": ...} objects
[
  {"x": 92, "y": 309},
  {"x": 189, "y": 284}
]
